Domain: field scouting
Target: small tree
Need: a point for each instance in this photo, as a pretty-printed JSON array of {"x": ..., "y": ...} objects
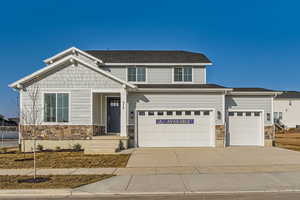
[{"x": 30, "y": 116}]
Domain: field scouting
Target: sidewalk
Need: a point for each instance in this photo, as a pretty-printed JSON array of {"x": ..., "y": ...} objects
[
  {"x": 156, "y": 170},
  {"x": 175, "y": 184},
  {"x": 200, "y": 183}
]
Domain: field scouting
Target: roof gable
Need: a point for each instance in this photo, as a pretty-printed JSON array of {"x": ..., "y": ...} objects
[{"x": 71, "y": 59}]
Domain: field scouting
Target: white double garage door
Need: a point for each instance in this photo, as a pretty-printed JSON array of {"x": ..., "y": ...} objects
[{"x": 196, "y": 128}]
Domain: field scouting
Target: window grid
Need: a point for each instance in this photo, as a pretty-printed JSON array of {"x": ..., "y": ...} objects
[
  {"x": 183, "y": 74},
  {"x": 136, "y": 74},
  {"x": 56, "y": 107}
]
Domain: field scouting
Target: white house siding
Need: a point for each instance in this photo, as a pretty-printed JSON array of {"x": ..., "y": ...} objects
[
  {"x": 175, "y": 100},
  {"x": 290, "y": 109},
  {"x": 252, "y": 102},
  {"x": 158, "y": 74},
  {"x": 77, "y": 80},
  {"x": 119, "y": 71}
]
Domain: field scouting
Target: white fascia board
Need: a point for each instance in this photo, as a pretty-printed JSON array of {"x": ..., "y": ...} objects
[
  {"x": 43, "y": 70},
  {"x": 68, "y": 58},
  {"x": 47, "y": 61},
  {"x": 182, "y": 90},
  {"x": 253, "y": 93},
  {"x": 157, "y": 64}
]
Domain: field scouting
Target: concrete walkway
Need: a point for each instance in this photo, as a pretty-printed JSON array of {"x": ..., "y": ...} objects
[
  {"x": 157, "y": 170},
  {"x": 200, "y": 183}
]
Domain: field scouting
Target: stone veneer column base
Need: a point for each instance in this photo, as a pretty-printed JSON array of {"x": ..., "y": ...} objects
[
  {"x": 220, "y": 135},
  {"x": 269, "y": 135}
]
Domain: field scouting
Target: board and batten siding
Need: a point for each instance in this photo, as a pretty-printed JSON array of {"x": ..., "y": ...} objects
[
  {"x": 158, "y": 74},
  {"x": 175, "y": 100},
  {"x": 78, "y": 81},
  {"x": 252, "y": 102}
]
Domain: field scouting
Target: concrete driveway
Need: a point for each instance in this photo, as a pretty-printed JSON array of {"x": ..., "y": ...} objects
[{"x": 213, "y": 157}]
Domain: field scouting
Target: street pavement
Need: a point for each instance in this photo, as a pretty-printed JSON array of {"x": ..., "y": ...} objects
[{"x": 235, "y": 196}]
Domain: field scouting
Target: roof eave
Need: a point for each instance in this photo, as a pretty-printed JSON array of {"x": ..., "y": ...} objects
[
  {"x": 257, "y": 93},
  {"x": 183, "y": 89},
  {"x": 156, "y": 64}
]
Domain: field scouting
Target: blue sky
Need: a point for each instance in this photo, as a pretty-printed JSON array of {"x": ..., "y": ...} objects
[{"x": 252, "y": 43}]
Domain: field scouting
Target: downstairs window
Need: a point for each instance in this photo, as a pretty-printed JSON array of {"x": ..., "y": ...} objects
[{"x": 56, "y": 107}]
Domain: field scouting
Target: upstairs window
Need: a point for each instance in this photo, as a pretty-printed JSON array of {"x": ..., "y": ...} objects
[
  {"x": 56, "y": 107},
  {"x": 136, "y": 74},
  {"x": 183, "y": 74}
]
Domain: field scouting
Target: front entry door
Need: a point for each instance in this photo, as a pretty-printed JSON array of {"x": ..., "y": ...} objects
[{"x": 113, "y": 115}]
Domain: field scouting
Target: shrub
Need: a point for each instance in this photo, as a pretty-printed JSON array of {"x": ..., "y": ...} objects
[
  {"x": 4, "y": 150},
  {"x": 40, "y": 147},
  {"x": 76, "y": 147},
  {"x": 57, "y": 148}
]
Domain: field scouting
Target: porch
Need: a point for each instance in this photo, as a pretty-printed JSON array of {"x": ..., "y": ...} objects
[{"x": 109, "y": 112}]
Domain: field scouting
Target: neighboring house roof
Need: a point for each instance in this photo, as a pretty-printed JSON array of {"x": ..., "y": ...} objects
[
  {"x": 289, "y": 95},
  {"x": 71, "y": 59},
  {"x": 170, "y": 86},
  {"x": 252, "y": 90},
  {"x": 144, "y": 56}
]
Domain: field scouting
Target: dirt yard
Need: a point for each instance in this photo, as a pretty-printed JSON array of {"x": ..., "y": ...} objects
[
  {"x": 61, "y": 160},
  {"x": 288, "y": 140},
  {"x": 55, "y": 181}
]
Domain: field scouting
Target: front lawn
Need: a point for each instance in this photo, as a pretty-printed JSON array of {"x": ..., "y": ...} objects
[
  {"x": 54, "y": 181},
  {"x": 288, "y": 140},
  {"x": 62, "y": 160}
]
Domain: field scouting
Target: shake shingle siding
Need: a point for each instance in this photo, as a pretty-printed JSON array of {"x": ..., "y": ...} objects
[{"x": 77, "y": 80}]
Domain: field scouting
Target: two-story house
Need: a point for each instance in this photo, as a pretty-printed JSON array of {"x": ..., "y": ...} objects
[{"x": 106, "y": 100}]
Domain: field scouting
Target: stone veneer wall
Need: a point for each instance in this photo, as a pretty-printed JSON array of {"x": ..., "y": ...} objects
[
  {"x": 269, "y": 135},
  {"x": 60, "y": 132},
  {"x": 220, "y": 135},
  {"x": 131, "y": 133},
  {"x": 98, "y": 130}
]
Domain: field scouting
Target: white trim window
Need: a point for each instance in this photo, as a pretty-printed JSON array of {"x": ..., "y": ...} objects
[
  {"x": 56, "y": 107},
  {"x": 136, "y": 74},
  {"x": 183, "y": 74}
]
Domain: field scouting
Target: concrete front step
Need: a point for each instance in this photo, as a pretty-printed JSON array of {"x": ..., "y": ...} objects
[{"x": 102, "y": 145}]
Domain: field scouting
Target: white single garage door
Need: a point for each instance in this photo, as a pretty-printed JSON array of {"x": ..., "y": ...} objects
[
  {"x": 176, "y": 128},
  {"x": 246, "y": 128}
]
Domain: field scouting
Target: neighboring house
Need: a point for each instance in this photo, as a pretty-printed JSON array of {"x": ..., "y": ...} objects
[
  {"x": 106, "y": 99},
  {"x": 7, "y": 122},
  {"x": 287, "y": 109}
]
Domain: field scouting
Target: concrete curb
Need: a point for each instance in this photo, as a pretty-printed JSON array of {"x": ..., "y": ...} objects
[
  {"x": 70, "y": 193},
  {"x": 35, "y": 192}
]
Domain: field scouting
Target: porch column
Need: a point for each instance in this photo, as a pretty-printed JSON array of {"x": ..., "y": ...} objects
[{"x": 123, "y": 112}]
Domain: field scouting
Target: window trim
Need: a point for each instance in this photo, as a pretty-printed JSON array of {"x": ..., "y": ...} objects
[
  {"x": 182, "y": 82},
  {"x": 43, "y": 107},
  {"x": 137, "y": 82}
]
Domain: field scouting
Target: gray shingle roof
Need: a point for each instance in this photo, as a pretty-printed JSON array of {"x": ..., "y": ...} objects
[
  {"x": 144, "y": 56},
  {"x": 252, "y": 90},
  {"x": 183, "y": 86},
  {"x": 289, "y": 95}
]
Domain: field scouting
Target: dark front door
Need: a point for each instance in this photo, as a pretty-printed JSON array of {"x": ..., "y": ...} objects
[{"x": 113, "y": 115}]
